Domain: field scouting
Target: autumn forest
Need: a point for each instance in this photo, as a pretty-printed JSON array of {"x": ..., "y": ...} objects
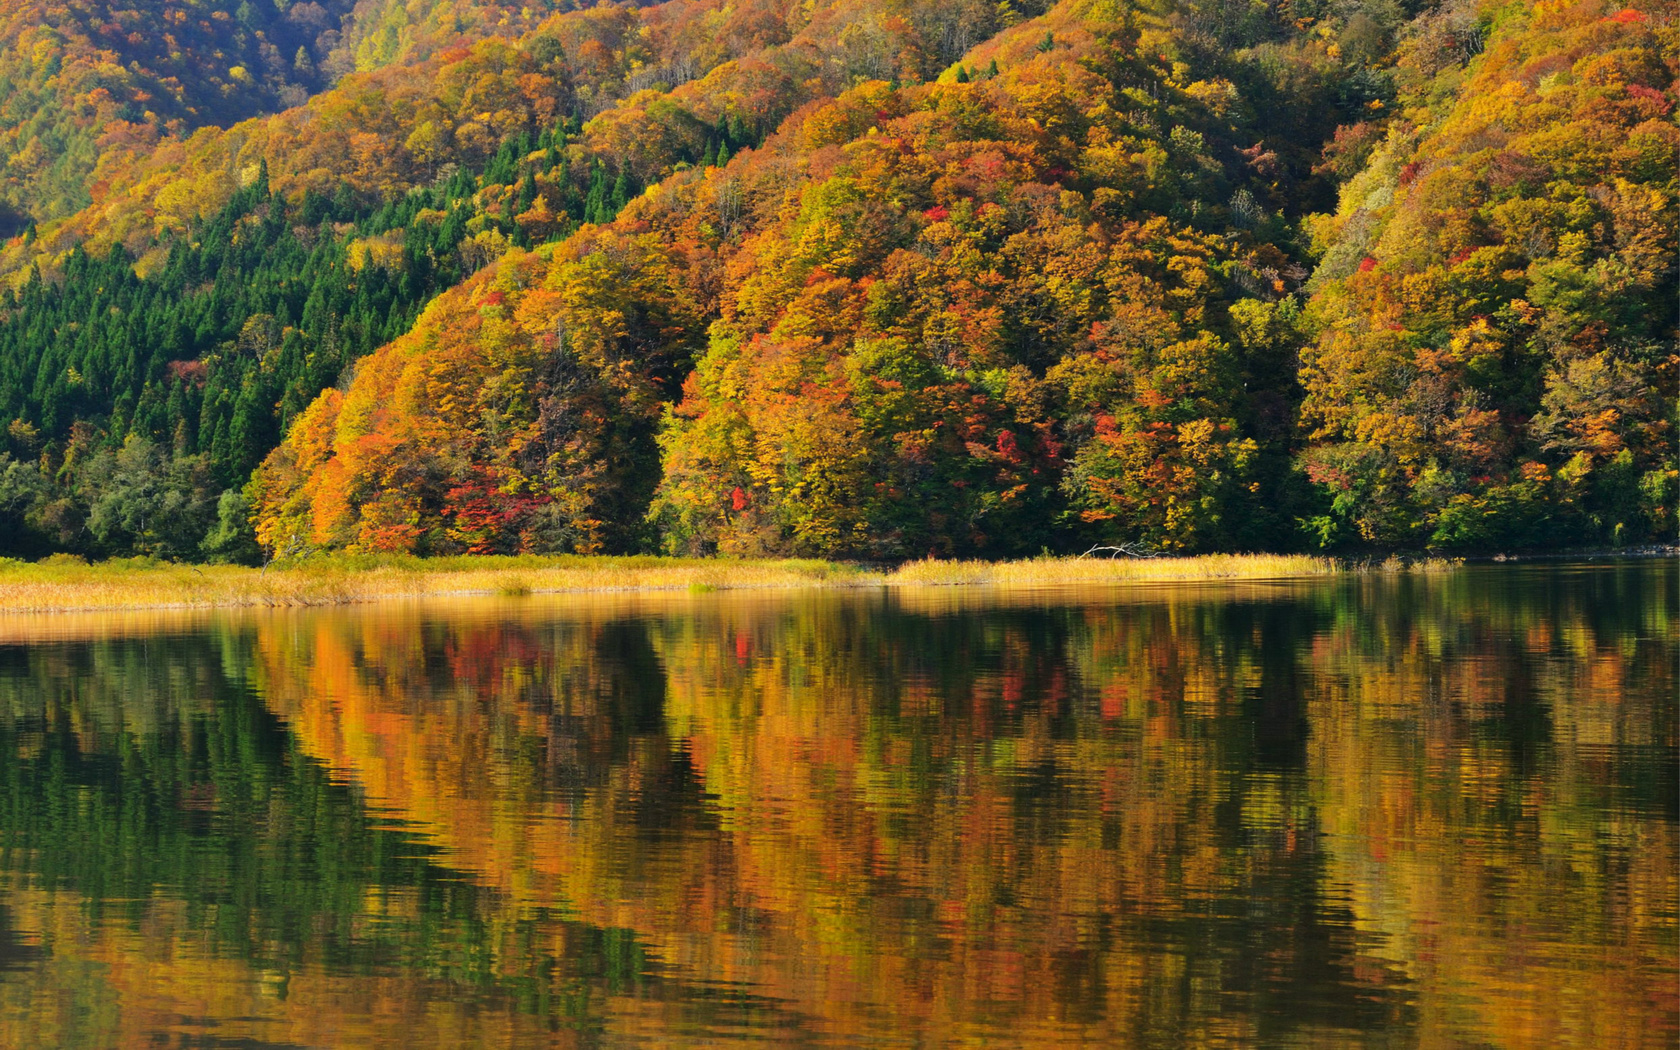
[{"x": 863, "y": 279}]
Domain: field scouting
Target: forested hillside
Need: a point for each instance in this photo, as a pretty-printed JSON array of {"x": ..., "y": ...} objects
[
  {"x": 872, "y": 280},
  {"x": 1490, "y": 355},
  {"x": 81, "y": 79}
]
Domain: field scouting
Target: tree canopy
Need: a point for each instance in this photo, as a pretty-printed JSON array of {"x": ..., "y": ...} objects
[{"x": 884, "y": 281}]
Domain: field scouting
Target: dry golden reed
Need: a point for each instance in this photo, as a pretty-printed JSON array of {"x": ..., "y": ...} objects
[{"x": 70, "y": 584}]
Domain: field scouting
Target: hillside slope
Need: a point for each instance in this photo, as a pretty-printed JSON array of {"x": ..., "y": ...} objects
[
  {"x": 1493, "y": 360},
  {"x": 268, "y": 256},
  {"x": 881, "y": 280},
  {"x": 82, "y": 78},
  {"x": 1035, "y": 303}
]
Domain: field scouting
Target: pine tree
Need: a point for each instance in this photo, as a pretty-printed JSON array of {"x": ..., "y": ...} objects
[
  {"x": 595, "y": 205},
  {"x": 621, "y": 193}
]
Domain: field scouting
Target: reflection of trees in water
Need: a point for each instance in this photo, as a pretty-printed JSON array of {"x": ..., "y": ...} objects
[
  {"x": 15, "y": 952},
  {"x": 1494, "y": 765},
  {"x": 149, "y": 781},
  {"x": 1050, "y": 805},
  {"x": 1345, "y": 813}
]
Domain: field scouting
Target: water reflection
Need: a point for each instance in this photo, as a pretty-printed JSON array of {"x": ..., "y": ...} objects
[{"x": 1385, "y": 811}]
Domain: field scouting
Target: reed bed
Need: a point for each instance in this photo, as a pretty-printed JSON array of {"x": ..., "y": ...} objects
[
  {"x": 66, "y": 584},
  {"x": 69, "y": 584},
  {"x": 1050, "y": 571}
]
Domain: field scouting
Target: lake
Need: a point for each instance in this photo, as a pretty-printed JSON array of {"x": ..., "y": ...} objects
[{"x": 1389, "y": 810}]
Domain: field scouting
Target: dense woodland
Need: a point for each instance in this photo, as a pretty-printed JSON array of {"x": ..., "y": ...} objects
[{"x": 872, "y": 280}]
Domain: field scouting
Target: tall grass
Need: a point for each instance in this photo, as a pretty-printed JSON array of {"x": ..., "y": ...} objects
[
  {"x": 61, "y": 583},
  {"x": 1051, "y": 571}
]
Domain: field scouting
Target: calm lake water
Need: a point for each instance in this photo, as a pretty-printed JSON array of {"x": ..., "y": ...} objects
[{"x": 1388, "y": 811}]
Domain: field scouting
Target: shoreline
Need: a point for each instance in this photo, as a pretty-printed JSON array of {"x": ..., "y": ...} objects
[{"x": 70, "y": 585}]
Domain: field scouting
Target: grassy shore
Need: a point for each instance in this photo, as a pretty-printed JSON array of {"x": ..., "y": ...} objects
[{"x": 66, "y": 584}]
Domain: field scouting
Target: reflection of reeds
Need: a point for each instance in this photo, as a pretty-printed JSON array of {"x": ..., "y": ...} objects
[{"x": 66, "y": 584}]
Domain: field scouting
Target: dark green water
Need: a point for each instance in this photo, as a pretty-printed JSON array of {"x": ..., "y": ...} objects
[{"x": 1388, "y": 811}]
